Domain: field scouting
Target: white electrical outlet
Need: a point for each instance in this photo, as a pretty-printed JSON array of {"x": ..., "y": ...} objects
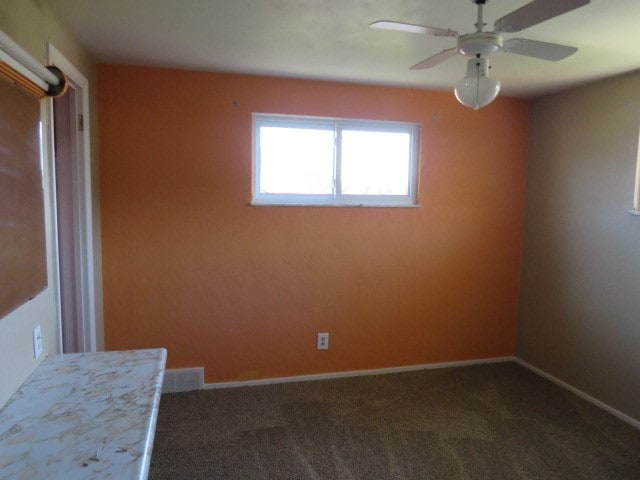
[
  {"x": 37, "y": 342},
  {"x": 323, "y": 341}
]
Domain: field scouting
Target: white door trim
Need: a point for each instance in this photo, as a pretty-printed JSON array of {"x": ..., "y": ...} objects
[{"x": 84, "y": 189}]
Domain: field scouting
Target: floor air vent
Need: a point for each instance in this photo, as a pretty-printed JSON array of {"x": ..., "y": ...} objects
[{"x": 183, "y": 380}]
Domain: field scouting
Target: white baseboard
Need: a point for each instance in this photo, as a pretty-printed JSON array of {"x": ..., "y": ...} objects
[
  {"x": 617, "y": 413},
  {"x": 354, "y": 373}
]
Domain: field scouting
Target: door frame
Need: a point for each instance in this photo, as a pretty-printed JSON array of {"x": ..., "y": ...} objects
[{"x": 87, "y": 305}]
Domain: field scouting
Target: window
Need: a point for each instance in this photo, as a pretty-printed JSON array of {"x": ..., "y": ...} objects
[{"x": 324, "y": 161}]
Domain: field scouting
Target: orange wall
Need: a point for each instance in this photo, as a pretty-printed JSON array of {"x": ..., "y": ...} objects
[{"x": 243, "y": 291}]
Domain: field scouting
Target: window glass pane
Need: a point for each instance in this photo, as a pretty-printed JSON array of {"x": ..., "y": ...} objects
[
  {"x": 375, "y": 163},
  {"x": 296, "y": 160}
]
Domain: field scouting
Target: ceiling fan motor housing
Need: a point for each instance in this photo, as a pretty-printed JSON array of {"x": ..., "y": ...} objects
[{"x": 480, "y": 43}]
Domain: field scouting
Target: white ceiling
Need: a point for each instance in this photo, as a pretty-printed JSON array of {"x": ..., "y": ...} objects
[{"x": 331, "y": 40}]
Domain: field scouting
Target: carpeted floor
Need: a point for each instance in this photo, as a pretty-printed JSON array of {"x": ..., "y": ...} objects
[{"x": 496, "y": 421}]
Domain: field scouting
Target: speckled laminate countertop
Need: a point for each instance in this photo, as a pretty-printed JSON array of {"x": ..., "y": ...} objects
[{"x": 84, "y": 416}]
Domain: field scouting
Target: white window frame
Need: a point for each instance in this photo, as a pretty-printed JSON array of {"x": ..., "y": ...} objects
[
  {"x": 337, "y": 198},
  {"x": 636, "y": 194}
]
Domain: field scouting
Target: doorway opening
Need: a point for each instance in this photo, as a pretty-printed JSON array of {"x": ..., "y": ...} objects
[{"x": 74, "y": 217}]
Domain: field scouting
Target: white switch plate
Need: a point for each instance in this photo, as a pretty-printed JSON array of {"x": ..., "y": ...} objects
[
  {"x": 323, "y": 341},
  {"x": 37, "y": 342}
]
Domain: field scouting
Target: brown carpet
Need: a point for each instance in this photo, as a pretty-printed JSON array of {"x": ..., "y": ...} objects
[{"x": 496, "y": 421}]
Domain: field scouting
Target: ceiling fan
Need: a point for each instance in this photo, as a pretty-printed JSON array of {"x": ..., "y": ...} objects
[{"x": 477, "y": 89}]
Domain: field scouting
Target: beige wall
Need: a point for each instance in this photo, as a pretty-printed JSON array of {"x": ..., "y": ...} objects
[
  {"x": 579, "y": 314},
  {"x": 31, "y": 24}
]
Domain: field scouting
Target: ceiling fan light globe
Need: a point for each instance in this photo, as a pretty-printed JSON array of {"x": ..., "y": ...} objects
[{"x": 477, "y": 92}]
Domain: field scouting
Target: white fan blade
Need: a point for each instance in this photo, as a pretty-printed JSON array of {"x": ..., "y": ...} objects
[
  {"x": 436, "y": 59},
  {"x": 536, "y": 49},
  {"x": 536, "y": 12},
  {"x": 407, "y": 27}
]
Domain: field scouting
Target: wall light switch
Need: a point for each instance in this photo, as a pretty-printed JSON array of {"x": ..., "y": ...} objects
[{"x": 37, "y": 342}]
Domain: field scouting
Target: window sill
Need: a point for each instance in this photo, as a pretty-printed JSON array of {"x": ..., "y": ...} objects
[{"x": 259, "y": 203}]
